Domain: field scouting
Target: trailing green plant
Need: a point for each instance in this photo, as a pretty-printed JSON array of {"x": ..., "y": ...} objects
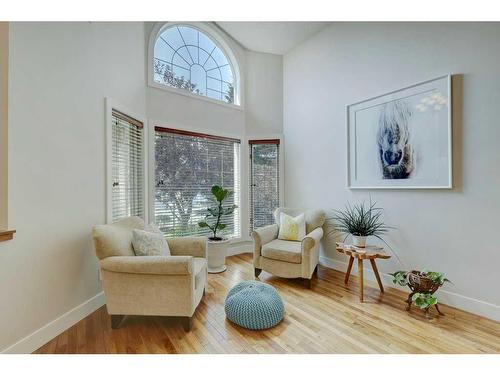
[
  {"x": 401, "y": 277},
  {"x": 422, "y": 299},
  {"x": 360, "y": 219},
  {"x": 436, "y": 277},
  {"x": 217, "y": 211}
]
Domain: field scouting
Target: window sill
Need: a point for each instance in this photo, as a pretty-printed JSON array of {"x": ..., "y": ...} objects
[
  {"x": 6, "y": 235},
  {"x": 173, "y": 90}
]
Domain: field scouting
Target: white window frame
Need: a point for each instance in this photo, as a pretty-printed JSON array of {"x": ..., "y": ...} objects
[
  {"x": 222, "y": 44},
  {"x": 281, "y": 171},
  {"x": 242, "y": 204},
  {"x": 111, "y": 105}
]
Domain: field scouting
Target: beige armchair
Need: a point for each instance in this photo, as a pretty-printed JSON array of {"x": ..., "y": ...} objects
[
  {"x": 290, "y": 259},
  {"x": 149, "y": 285}
]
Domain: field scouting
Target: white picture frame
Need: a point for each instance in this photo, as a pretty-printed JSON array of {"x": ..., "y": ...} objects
[{"x": 402, "y": 139}]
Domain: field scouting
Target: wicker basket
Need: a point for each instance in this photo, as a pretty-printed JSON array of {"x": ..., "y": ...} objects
[{"x": 421, "y": 284}]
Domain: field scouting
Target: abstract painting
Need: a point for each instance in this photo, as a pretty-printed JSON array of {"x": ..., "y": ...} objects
[{"x": 402, "y": 139}]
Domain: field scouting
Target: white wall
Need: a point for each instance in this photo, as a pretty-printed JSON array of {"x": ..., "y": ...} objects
[
  {"x": 450, "y": 231},
  {"x": 264, "y": 94},
  {"x": 60, "y": 74}
]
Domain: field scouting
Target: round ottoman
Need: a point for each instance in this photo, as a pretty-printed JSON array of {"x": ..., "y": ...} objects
[{"x": 254, "y": 305}]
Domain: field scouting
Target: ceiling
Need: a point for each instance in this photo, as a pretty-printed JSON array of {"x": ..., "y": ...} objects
[{"x": 271, "y": 37}]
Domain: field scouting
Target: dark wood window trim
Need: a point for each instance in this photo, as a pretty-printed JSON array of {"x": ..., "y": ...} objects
[
  {"x": 264, "y": 141},
  {"x": 194, "y": 134},
  {"x": 6, "y": 235},
  {"x": 128, "y": 119}
]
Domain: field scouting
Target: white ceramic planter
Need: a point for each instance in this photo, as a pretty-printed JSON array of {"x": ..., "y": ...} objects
[
  {"x": 216, "y": 253},
  {"x": 359, "y": 241}
]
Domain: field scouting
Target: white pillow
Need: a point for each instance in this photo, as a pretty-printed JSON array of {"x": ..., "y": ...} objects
[
  {"x": 292, "y": 228},
  {"x": 152, "y": 227},
  {"x": 149, "y": 243}
]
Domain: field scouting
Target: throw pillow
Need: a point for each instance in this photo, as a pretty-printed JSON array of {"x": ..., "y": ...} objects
[
  {"x": 149, "y": 243},
  {"x": 152, "y": 228},
  {"x": 292, "y": 228}
]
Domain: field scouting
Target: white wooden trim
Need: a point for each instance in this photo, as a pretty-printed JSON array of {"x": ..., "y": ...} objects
[
  {"x": 450, "y": 140},
  {"x": 176, "y": 91},
  {"x": 220, "y": 41},
  {"x": 111, "y": 104},
  {"x": 41, "y": 336}
]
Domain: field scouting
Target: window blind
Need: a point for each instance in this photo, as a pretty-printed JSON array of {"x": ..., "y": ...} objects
[
  {"x": 187, "y": 166},
  {"x": 127, "y": 191},
  {"x": 264, "y": 181}
]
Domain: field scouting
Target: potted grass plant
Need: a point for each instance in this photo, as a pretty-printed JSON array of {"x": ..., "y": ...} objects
[
  {"x": 217, "y": 245},
  {"x": 360, "y": 221}
]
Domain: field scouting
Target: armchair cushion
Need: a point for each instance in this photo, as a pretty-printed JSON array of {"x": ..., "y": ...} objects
[
  {"x": 151, "y": 265},
  {"x": 286, "y": 251}
]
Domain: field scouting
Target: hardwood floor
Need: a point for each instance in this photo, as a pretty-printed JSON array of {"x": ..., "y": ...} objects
[{"x": 325, "y": 319}]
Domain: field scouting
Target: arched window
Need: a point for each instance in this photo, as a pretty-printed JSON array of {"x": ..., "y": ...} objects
[{"x": 187, "y": 58}]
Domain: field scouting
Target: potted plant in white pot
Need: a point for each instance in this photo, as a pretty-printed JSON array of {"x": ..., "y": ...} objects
[
  {"x": 217, "y": 245},
  {"x": 360, "y": 221}
]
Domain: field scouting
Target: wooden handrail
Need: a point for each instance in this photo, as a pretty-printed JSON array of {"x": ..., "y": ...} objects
[{"x": 6, "y": 235}]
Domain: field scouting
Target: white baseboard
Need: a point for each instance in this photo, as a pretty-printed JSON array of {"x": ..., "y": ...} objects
[
  {"x": 240, "y": 248},
  {"x": 46, "y": 333},
  {"x": 459, "y": 301}
]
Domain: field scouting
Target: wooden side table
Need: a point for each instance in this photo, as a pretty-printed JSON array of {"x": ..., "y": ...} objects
[{"x": 369, "y": 253}]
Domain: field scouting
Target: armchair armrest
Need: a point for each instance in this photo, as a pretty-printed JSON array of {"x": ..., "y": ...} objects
[
  {"x": 195, "y": 246},
  {"x": 313, "y": 238},
  {"x": 150, "y": 265},
  {"x": 265, "y": 234}
]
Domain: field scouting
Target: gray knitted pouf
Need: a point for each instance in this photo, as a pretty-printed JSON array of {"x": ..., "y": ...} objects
[{"x": 254, "y": 305}]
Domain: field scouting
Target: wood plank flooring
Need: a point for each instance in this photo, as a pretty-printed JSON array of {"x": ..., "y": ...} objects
[{"x": 326, "y": 319}]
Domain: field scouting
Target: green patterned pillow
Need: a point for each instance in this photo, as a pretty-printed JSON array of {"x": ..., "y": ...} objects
[
  {"x": 149, "y": 243},
  {"x": 292, "y": 228}
]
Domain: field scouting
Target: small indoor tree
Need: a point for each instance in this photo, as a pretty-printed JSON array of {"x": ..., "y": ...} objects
[{"x": 216, "y": 212}]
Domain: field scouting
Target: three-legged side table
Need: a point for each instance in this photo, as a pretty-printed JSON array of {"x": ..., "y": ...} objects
[{"x": 369, "y": 253}]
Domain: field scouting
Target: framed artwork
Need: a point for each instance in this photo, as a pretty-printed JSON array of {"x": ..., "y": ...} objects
[{"x": 402, "y": 140}]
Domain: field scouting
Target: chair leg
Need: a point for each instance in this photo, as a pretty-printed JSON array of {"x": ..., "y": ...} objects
[
  {"x": 257, "y": 272},
  {"x": 116, "y": 320},
  {"x": 308, "y": 283},
  {"x": 187, "y": 323}
]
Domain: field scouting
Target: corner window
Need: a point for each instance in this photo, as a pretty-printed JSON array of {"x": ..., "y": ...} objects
[
  {"x": 127, "y": 167},
  {"x": 187, "y": 165},
  {"x": 188, "y": 59},
  {"x": 264, "y": 181}
]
